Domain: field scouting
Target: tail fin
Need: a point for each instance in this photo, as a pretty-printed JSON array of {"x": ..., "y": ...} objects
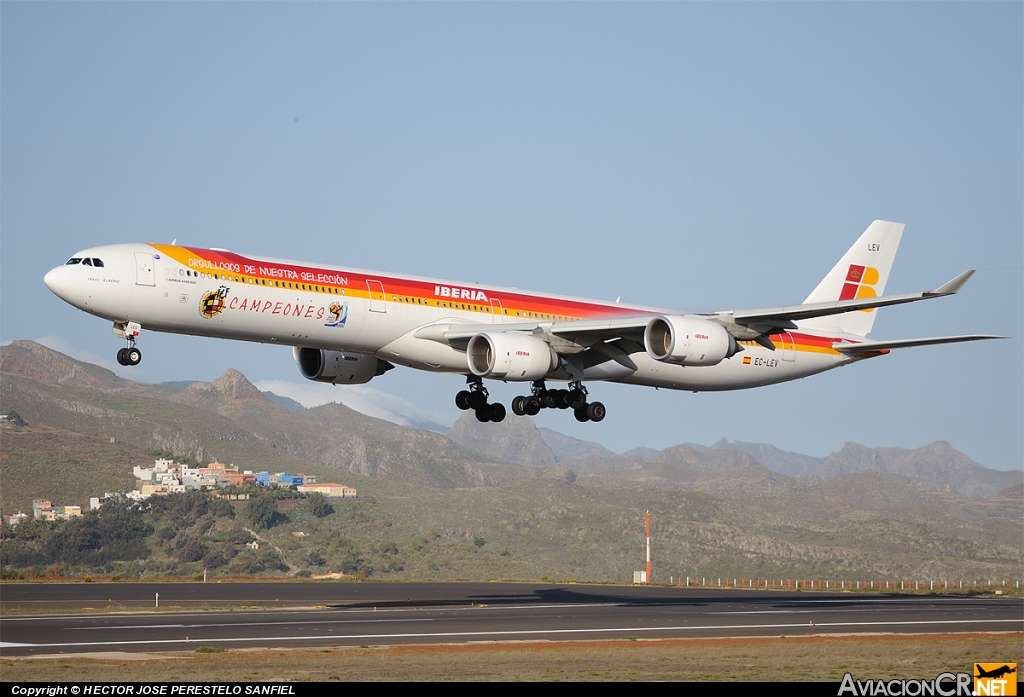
[{"x": 861, "y": 273}]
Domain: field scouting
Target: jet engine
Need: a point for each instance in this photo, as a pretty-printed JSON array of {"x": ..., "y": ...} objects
[
  {"x": 338, "y": 367},
  {"x": 688, "y": 341},
  {"x": 510, "y": 356}
]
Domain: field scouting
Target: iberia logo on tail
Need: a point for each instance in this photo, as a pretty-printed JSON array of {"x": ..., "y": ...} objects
[{"x": 860, "y": 283}]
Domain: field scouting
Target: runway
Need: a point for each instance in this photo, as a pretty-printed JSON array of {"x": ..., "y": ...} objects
[{"x": 354, "y": 614}]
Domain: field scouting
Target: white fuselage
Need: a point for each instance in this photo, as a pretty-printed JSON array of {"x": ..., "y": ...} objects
[{"x": 216, "y": 293}]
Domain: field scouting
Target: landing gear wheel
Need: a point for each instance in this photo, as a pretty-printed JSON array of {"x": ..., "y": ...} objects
[
  {"x": 581, "y": 415},
  {"x": 519, "y": 406},
  {"x": 483, "y": 415},
  {"x": 121, "y": 358},
  {"x": 532, "y": 406},
  {"x": 478, "y": 399},
  {"x": 496, "y": 412},
  {"x": 563, "y": 399},
  {"x": 577, "y": 399},
  {"x": 133, "y": 356},
  {"x": 596, "y": 411},
  {"x": 462, "y": 400}
]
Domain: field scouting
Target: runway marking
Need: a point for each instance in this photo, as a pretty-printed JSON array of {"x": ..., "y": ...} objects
[
  {"x": 326, "y": 607},
  {"x": 525, "y": 632},
  {"x": 241, "y": 624},
  {"x": 369, "y": 610},
  {"x": 762, "y": 612}
]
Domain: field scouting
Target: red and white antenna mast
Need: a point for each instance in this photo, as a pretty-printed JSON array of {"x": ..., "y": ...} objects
[{"x": 648, "y": 546}]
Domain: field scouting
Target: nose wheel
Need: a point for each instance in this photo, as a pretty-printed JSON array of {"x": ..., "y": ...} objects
[
  {"x": 475, "y": 398},
  {"x": 129, "y": 356}
]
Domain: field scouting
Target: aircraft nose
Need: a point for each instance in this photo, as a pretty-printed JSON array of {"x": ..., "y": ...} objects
[{"x": 56, "y": 280}]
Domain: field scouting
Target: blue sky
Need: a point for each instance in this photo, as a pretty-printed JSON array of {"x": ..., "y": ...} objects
[{"x": 702, "y": 156}]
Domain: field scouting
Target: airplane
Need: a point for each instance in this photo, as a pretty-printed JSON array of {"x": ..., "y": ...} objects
[
  {"x": 348, "y": 326},
  {"x": 995, "y": 672}
]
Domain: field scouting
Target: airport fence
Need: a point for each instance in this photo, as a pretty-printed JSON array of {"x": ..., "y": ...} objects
[{"x": 985, "y": 585}]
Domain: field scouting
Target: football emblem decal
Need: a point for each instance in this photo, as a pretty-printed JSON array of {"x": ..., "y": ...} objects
[
  {"x": 214, "y": 302},
  {"x": 339, "y": 314}
]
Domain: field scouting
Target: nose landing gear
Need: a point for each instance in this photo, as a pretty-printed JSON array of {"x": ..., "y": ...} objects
[
  {"x": 130, "y": 355},
  {"x": 475, "y": 398}
]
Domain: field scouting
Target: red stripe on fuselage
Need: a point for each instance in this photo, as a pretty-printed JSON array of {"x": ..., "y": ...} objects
[{"x": 541, "y": 307}]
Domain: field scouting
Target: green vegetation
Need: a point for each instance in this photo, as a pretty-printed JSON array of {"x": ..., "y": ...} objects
[
  {"x": 262, "y": 512},
  {"x": 319, "y": 506},
  {"x": 180, "y": 534},
  {"x": 96, "y": 539},
  {"x": 14, "y": 418}
]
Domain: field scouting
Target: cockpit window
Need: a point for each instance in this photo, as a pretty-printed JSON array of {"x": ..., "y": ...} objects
[
  {"x": 97, "y": 262},
  {"x": 87, "y": 262},
  {"x": 73, "y": 260}
]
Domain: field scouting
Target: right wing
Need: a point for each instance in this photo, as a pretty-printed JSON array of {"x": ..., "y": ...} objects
[
  {"x": 865, "y": 349},
  {"x": 751, "y": 324}
]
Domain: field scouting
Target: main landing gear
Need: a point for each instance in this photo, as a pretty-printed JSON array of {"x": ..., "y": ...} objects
[
  {"x": 475, "y": 398},
  {"x": 130, "y": 355},
  {"x": 574, "y": 398}
]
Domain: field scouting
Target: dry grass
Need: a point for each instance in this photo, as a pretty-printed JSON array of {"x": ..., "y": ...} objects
[{"x": 787, "y": 659}]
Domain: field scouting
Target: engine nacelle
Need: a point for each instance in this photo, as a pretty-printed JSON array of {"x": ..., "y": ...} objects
[
  {"x": 510, "y": 356},
  {"x": 338, "y": 367},
  {"x": 688, "y": 341}
]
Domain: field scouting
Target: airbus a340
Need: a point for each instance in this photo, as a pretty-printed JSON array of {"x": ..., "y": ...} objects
[{"x": 347, "y": 326}]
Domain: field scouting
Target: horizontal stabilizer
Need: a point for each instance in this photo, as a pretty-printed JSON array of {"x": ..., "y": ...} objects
[{"x": 871, "y": 346}]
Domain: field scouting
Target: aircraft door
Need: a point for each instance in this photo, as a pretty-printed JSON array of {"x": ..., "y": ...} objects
[
  {"x": 145, "y": 271},
  {"x": 378, "y": 300},
  {"x": 497, "y": 314},
  {"x": 788, "y": 346}
]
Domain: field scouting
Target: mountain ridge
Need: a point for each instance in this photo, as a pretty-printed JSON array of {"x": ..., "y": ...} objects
[{"x": 346, "y": 441}]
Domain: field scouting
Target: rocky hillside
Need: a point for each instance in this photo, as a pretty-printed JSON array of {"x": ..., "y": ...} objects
[{"x": 228, "y": 420}]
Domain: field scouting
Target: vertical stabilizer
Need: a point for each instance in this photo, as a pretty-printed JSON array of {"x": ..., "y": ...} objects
[{"x": 861, "y": 273}]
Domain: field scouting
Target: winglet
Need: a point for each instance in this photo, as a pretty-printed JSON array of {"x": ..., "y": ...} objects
[{"x": 954, "y": 286}]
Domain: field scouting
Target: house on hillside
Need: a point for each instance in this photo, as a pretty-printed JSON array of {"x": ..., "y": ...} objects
[{"x": 336, "y": 491}]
